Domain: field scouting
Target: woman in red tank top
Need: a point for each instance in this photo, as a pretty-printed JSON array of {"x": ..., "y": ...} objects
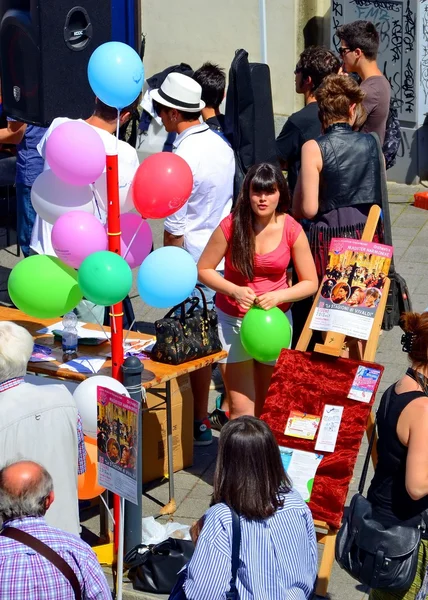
[{"x": 257, "y": 242}]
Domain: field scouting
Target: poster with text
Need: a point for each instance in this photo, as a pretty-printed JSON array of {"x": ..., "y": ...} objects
[
  {"x": 117, "y": 435},
  {"x": 352, "y": 287}
]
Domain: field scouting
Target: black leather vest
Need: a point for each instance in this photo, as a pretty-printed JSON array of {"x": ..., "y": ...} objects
[{"x": 351, "y": 168}]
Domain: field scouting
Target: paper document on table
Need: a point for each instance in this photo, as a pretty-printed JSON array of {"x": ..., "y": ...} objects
[
  {"x": 41, "y": 354},
  {"x": 301, "y": 467},
  {"x": 329, "y": 428},
  {"x": 82, "y": 332},
  {"x": 84, "y": 364}
]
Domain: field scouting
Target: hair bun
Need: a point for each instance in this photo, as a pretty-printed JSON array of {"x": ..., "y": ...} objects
[{"x": 412, "y": 321}]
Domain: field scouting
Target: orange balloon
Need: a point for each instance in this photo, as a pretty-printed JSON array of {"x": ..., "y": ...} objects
[{"x": 87, "y": 483}]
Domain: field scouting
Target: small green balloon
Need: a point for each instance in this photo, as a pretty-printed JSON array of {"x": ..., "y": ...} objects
[
  {"x": 264, "y": 333},
  {"x": 105, "y": 278},
  {"x": 44, "y": 287}
]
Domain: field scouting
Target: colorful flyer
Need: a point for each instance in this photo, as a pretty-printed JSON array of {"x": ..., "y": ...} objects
[
  {"x": 41, "y": 354},
  {"x": 352, "y": 287},
  {"x": 329, "y": 428},
  {"x": 364, "y": 384},
  {"x": 301, "y": 467},
  {"x": 302, "y": 425},
  {"x": 117, "y": 439}
]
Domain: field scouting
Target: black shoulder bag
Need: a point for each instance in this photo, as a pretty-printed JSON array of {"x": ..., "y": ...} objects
[
  {"x": 191, "y": 335},
  {"x": 53, "y": 557},
  {"x": 398, "y": 300},
  {"x": 379, "y": 557}
]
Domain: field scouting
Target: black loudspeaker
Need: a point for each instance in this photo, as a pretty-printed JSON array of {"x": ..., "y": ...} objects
[{"x": 45, "y": 46}]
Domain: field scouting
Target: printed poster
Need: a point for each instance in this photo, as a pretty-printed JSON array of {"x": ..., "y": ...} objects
[
  {"x": 117, "y": 438},
  {"x": 301, "y": 467},
  {"x": 364, "y": 384},
  {"x": 352, "y": 287}
]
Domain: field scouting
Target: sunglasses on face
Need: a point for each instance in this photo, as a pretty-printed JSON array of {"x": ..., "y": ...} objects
[
  {"x": 343, "y": 51},
  {"x": 297, "y": 70}
]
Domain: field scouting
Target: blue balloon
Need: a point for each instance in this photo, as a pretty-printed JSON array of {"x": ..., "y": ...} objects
[
  {"x": 167, "y": 277},
  {"x": 116, "y": 74}
]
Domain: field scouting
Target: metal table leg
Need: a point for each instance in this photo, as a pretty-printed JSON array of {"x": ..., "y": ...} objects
[{"x": 169, "y": 441}]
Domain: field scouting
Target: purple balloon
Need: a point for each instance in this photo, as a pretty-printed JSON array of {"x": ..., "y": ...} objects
[
  {"x": 76, "y": 235},
  {"x": 76, "y": 153},
  {"x": 142, "y": 243}
]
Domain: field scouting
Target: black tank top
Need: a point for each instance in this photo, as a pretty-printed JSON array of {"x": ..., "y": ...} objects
[{"x": 387, "y": 490}]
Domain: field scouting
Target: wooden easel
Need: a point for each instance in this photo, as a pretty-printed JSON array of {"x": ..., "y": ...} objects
[{"x": 333, "y": 346}]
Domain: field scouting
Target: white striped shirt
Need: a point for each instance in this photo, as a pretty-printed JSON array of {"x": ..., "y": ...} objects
[{"x": 278, "y": 556}]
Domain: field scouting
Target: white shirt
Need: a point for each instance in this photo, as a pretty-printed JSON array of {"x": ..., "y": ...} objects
[
  {"x": 212, "y": 163},
  {"x": 128, "y": 164},
  {"x": 39, "y": 423}
]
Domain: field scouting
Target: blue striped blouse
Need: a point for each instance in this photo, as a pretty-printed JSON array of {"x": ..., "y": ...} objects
[{"x": 278, "y": 556}]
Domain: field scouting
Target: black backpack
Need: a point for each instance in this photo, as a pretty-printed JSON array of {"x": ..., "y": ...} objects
[{"x": 392, "y": 135}]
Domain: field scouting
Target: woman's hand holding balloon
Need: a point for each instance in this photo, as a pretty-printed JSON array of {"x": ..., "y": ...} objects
[
  {"x": 269, "y": 300},
  {"x": 244, "y": 296}
]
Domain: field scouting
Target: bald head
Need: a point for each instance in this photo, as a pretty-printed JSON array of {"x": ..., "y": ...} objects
[{"x": 26, "y": 489}]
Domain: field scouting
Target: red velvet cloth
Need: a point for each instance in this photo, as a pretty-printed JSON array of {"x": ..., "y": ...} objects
[{"x": 306, "y": 381}]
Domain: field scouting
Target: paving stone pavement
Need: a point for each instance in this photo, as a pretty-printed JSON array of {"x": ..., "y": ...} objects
[{"x": 193, "y": 485}]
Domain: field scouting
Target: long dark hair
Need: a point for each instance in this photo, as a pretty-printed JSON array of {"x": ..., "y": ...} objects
[
  {"x": 260, "y": 178},
  {"x": 249, "y": 475}
]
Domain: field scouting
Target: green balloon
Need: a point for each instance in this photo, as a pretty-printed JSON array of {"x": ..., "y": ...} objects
[
  {"x": 44, "y": 287},
  {"x": 105, "y": 278},
  {"x": 264, "y": 333}
]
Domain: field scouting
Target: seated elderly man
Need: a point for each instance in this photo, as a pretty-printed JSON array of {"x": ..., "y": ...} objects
[
  {"x": 26, "y": 493},
  {"x": 40, "y": 423}
]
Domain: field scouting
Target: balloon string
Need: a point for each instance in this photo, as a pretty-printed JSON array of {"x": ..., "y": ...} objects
[
  {"x": 132, "y": 239},
  {"x": 96, "y": 200},
  {"x": 108, "y": 510},
  {"x": 113, "y": 318},
  {"x": 98, "y": 322},
  {"x": 129, "y": 331},
  {"x": 117, "y": 130}
]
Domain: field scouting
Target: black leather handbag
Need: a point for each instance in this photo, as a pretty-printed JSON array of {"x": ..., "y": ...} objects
[
  {"x": 191, "y": 335},
  {"x": 154, "y": 568},
  {"x": 382, "y": 558}
]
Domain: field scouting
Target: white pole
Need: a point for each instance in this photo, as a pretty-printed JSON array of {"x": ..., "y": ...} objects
[
  {"x": 263, "y": 38},
  {"x": 120, "y": 550}
]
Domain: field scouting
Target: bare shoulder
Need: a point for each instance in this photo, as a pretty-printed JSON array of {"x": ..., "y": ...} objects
[{"x": 311, "y": 152}]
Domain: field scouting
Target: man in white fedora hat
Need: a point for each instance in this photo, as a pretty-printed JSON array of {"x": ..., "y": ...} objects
[{"x": 178, "y": 103}]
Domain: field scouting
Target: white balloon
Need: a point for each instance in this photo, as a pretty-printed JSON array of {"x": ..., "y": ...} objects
[
  {"x": 52, "y": 197},
  {"x": 86, "y": 399}
]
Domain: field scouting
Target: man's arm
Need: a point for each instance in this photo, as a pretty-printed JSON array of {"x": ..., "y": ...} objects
[
  {"x": 172, "y": 240},
  {"x": 13, "y": 133},
  {"x": 288, "y": 144}
]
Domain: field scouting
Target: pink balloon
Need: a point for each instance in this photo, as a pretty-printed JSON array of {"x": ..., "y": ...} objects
[
  {"x": 76, "y": 153},
  {"x": 142, "y": 244},
  {"x": 76, "y": 235}
]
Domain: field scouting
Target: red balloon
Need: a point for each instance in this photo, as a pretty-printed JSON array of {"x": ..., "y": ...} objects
[{"x": 162, "y": 184}]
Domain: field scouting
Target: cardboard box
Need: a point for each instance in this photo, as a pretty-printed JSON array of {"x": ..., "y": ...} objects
[{"x": 155, "y": 455}]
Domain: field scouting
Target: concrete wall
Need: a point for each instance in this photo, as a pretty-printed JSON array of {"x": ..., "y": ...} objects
[{"x": 195, "y": 31}]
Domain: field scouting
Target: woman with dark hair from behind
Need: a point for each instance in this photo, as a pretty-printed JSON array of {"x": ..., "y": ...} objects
[
  {"x": 340, "y": 177},
  {"x": 278, "y": 553},
  {"x": 399, "y": 489},
  {"x": 257, "y": 240}
]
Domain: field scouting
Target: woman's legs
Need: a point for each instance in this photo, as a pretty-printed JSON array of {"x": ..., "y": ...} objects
[
  {"x": 262, "y": 378},
  {"x": 238, "y": 378}
]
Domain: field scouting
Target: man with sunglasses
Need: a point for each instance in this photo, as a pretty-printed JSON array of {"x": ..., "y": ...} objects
[
  {"x": 359, "y": 45},
  {"x": 315, "y": 63}
]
